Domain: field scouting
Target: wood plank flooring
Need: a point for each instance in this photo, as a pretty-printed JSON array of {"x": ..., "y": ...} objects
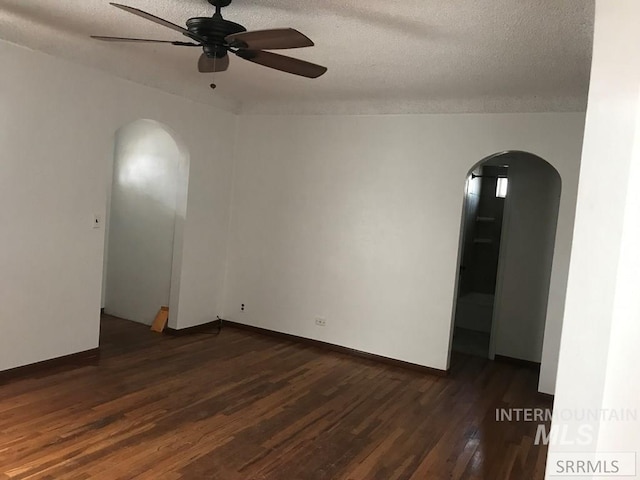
[{"x": 247, "y": 406}]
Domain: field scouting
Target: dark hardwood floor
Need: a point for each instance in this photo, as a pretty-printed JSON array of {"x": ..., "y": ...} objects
[{"x": 247, "y": 406}]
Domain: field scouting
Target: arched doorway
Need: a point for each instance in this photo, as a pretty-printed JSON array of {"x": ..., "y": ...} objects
[
  {"x": 145, "y": 211},
  {"x": 505, "y": 258}
]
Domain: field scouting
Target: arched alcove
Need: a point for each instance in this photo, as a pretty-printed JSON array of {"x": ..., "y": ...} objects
[
  {"x": 508, "y": 305},
  {"x": 146, "y": 211}
]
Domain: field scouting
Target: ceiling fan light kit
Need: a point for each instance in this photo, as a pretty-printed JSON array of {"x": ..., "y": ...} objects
[{"x": 218, "y": 37}]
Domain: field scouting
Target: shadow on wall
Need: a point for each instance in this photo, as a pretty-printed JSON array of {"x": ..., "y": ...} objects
[
  {"x": 146, "y": 210},
  {"x": 514, "y": 268}
]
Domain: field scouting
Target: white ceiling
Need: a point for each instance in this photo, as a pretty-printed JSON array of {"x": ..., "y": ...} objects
[{"x": 394, "y": 56}]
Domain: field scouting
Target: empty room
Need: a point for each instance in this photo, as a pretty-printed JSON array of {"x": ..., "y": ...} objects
[{"x": 247, "y": 239}]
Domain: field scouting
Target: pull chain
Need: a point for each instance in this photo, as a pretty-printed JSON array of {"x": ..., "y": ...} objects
[{"x": 215, "y": 58}]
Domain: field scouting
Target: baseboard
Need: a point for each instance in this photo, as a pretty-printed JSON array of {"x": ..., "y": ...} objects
[
  {"x": 339, "y": 349},
  {"x": 75, "y": 360},
  {"x": 191, "y": 330},
  {"x": 517, "y": 361}
]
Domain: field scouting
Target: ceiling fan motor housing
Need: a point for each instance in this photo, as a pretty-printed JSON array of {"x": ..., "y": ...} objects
[
  {"x": 220, "y": 3},
  {"x": 213, "y": 31}
]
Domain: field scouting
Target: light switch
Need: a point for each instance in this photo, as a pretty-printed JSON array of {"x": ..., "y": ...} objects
[{"x": 97, "y": 221}]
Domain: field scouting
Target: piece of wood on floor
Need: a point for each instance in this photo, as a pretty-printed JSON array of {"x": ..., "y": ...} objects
[{"x": 161, "y": 320}]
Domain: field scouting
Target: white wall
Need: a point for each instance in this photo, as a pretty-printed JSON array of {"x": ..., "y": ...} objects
[
  {"x": 352, "y": 218},
  {"x": 357, "y": 219},
  {"x": 57, "y": 126},
  {"x": 142, "y": 219},
  {"x": 599, "y": 350},
  {"x": 526, "y": 256}
]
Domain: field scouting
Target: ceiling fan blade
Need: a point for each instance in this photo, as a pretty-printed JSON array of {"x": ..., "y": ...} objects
[
  {"x": 283, "y": 63},
  {"x": 142, "y": 40},
  {"x": 210, "y": 65},
  {"x": 274, "y": 39},
  {"x": 158, "y": 20}
]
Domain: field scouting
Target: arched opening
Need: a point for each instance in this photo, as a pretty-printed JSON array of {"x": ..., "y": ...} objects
[
  {"x": 505, "y": 258},
  {"x": 145, "y": 214}
]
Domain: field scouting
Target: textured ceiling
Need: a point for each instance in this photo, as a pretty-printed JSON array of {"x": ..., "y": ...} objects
[{"x": 392, "y": 56}]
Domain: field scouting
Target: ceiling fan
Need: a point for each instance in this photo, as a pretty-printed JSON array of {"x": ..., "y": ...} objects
[{"x": 219, "y": 37}]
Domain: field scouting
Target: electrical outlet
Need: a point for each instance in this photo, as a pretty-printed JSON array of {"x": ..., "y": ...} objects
[{"x": 321, "y": 321}]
